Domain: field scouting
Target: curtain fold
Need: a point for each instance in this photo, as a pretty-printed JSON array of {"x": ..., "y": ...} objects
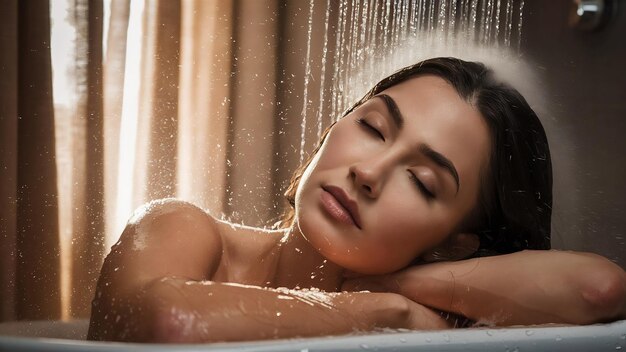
[
  {"x": 204, "y": 108},
  {"x": 161, "y": 87},
  {"x": 157, "y": 119},
  {"x": 252, "y": 107},
  {"x": 113, "y": 72},
  {"x": 37, "y": 241},
  {"x": 8, "y": 156},
  {"x": 87, "y": 245}
]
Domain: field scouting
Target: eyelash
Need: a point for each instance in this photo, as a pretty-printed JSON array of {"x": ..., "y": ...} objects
[
  {"x": 361, "y": 121},
  {"x": 428, "y": 194}
]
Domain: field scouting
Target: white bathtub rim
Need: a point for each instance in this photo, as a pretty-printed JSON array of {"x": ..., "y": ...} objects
[{"x": 598, "y": 337}]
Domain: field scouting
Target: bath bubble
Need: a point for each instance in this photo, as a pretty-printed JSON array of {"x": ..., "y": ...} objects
[
  {"x": 402, "y": 340},
  {"x": 559, "y": 338},
  {"x": 364, "y": 346},
  {"x": 529, "y": 332}
]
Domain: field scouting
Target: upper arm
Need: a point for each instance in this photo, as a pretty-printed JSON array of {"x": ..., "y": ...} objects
[{"x": 164, "y": 238}]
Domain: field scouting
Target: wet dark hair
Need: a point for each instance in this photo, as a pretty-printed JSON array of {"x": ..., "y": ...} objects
[{"x": 515, "y": 202}]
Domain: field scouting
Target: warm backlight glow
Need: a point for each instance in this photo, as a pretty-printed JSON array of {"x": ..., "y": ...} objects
[
  {"x": 128, "y": 128},
  {"x": 62, "y": 48},
  {"x": 66, "y": 98}
]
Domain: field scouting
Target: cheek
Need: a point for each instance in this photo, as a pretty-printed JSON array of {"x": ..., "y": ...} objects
[
  {"x": 407, "y": 231},
  {"x": 346, "y": 143}
]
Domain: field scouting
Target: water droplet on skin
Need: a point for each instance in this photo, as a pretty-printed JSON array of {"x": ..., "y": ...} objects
[
  {"x": 278, "y": 314},
  {"x": 116, "y": 269}
]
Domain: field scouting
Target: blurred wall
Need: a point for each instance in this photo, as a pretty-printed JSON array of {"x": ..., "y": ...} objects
[{"x": 585, "y": 89}]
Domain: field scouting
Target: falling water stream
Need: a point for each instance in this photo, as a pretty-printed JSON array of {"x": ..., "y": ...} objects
[{"x": 365, "y": 40}]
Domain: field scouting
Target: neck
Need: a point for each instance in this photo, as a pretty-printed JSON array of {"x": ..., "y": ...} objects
[{"x": 300, "y": 265}]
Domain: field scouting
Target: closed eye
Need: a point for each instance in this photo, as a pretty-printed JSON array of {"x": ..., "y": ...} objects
[
  {"x": 428, "y": 194},
  {"x": 370, "y": 128}
]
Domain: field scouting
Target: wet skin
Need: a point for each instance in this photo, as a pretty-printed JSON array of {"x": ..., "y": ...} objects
[
  {"x": 371, "y": 165},
  {"x": 169, "y": 278}
]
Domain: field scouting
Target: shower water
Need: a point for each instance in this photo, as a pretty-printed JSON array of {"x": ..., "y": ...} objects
[{"x": 365, "y": 41}]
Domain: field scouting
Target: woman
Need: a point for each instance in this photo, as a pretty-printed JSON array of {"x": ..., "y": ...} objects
[{"x": 438, "y": 163}]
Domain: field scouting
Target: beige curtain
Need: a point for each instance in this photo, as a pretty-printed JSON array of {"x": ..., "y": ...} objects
[
  {"x": 216, "y": 119},
  {"x": 8, "y": 156},
  {"x": 29, "y": 241},
  {"x": 211, "y": 100}
]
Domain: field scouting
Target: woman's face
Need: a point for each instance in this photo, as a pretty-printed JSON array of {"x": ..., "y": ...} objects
[{"x": 394, "y": 178}]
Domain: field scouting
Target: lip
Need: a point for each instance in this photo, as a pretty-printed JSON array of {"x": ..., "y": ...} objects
[{"x": 349, "y": 205}]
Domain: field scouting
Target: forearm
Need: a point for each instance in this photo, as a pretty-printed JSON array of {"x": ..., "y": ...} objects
[
  {"x": 530, "y": 287},
  {"x": 227, "y": 312},
  {"x": 176, "y": 310}
]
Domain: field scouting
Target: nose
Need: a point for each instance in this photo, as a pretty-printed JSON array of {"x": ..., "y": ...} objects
[{"x": 369, "y": 176}]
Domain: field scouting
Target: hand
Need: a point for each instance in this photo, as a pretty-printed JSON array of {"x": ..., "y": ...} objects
[
  {"x": 405, "y": 287},
  {"x": 399, "y": 282},
  {"x": 424, "y": 318},
  {"x": 410, "y": 283}
]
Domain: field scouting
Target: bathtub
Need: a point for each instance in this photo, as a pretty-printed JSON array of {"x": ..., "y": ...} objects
[{"x": 69, "y": 336}]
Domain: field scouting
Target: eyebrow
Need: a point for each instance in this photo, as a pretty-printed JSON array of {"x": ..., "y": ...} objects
[
  {"x": 396, "y": 115},
  {"x": 428, "y": 151}
]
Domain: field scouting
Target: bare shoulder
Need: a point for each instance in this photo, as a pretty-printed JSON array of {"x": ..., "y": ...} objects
[
  {"x": 172, "y": 213},
  {"x": 163, "y": 238},
  {"x": 166, "y": 237}
]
